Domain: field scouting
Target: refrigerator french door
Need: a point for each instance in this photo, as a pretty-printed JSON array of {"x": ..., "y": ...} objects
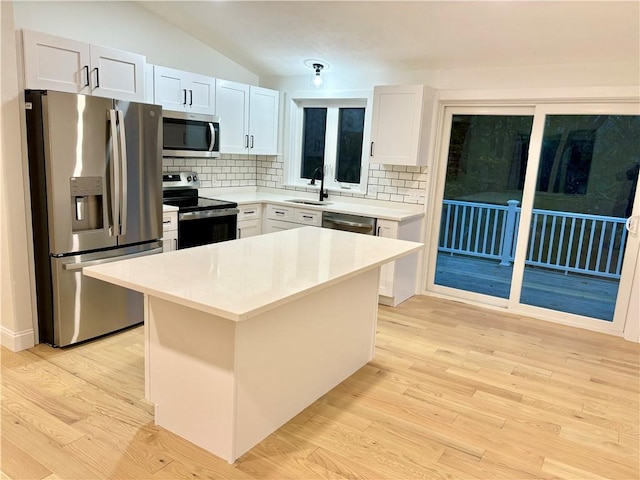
[{"x": 95, "y": 167}]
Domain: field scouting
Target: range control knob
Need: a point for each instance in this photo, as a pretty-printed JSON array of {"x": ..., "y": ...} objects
[
  {"x": 189, "y": 178},
  {"x": 195, "y": 178}
]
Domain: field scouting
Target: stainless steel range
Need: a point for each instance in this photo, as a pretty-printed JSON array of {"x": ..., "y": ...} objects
[{"x": 200, "y": 220}]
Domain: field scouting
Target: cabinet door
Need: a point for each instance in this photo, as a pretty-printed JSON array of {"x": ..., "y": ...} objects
[
  {"x": 263, "y": 121},
  {"x": 169, "y": 88},
  {"x": 170, "y": 241},
  {"x": 387, "y": 229},
  {"x": 396, "y": 125},
  {"x": 55, "y": 63},
  {"x": 117, "y": 74},
  {"x": 201, "y": 93},
  {"x": 232, "y": 106},
  {"x": 249, "y": 228}
]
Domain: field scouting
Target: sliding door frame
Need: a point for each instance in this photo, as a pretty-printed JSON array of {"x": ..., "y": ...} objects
[{"x": 539, "y": 109}]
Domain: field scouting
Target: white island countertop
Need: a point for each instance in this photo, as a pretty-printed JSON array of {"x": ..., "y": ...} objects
[{"x": 240, "y": 279}]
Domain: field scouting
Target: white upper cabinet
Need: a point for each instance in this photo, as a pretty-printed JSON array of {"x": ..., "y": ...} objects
[
  {"x": 56, "y": 63},
  {"x": 183, "y": 91},
  {"x": 400, "y": 124},
  {"x": 248, "y": 118},
  {"x": 263, "y": 121},
  {"x": 232, "y": 106}
]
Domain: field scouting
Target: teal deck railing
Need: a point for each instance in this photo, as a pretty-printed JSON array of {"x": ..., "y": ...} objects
[{"x": 570, "y": 242}]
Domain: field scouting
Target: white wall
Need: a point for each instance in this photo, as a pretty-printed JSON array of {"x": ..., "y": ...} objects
[
  {"x": 16, "y": 321},
  {"x": 127, "y": 26},
  {"x": 526, "y": 77}
]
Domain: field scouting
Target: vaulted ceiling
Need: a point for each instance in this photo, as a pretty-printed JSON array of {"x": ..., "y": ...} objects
[{"x": 277, "y": 37}]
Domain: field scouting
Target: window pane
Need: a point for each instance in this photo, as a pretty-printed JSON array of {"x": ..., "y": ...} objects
[
  {"x": 349, "y": 155},
  {"x": 313, "y": 137}
]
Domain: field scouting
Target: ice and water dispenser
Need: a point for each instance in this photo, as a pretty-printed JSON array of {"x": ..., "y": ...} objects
[{"x": 86, "y": 203}]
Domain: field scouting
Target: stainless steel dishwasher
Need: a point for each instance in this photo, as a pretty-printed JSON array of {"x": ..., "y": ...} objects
[{"x": 349, "y": 223}]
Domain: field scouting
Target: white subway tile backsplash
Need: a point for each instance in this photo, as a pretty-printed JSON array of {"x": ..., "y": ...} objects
[{"x": 395, "y": 183}]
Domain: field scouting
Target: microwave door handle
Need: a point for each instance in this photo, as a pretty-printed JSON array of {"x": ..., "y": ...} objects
[
  {"x": 115, "y": 175},
  {"x": 123, "y": 175},
  {"x": 212, "y": 130}
]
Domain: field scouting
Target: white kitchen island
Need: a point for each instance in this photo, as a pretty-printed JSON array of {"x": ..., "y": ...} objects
[{"x": 241, "y": 336}]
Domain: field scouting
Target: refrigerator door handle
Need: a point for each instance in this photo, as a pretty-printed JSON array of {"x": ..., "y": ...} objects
[
  {"x": 91, "y": 263},
  {"x": 123, "y": 164},
  {"x": 115, "y": 175}
]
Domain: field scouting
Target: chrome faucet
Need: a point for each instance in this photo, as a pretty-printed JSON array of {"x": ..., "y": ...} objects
[{"x": 323, "y": 193}]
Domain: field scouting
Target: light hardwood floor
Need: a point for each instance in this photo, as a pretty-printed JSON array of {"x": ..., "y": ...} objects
[{"x": 454, "y": 392}]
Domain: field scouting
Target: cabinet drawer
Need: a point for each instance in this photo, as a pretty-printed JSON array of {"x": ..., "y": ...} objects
[
  {"x": 308, "y": 217},
  {"x": 169, "y": 221},
  {"x": 249, "y": 212},
  {"x": 277, "y": 212}
]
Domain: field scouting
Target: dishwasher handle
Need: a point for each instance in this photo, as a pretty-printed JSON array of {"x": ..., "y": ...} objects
[{"x": 349, "y": 223}]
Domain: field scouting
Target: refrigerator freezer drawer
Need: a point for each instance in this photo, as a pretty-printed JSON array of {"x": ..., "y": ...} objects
[{"x": 86, "y": 308}]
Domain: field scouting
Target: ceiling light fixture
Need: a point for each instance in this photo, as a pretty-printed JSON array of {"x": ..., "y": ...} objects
[{"x": 317, "y": 79}]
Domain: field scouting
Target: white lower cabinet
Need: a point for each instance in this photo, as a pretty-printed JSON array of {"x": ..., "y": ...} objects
[
  {"x": 169, "y": 231},
  {"x": 285, "y": 218},
  {"x": 398, "y": 278},
  {"x": 249, "y": 220}
]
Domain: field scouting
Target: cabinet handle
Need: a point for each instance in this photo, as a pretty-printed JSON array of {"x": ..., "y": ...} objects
[
  {"x": 97, "y": 77},
  {"x": 86, "y": 70},
  {"x": 175, "y": 243},
  {"x": 190, "y": 97},
  {"x": 378, "y": 232},
  {"x": 251, "y": 141},
  {"x": 246, "y": 141},
  {"x": 371, "y": 150},
  {"x": 239, "y": 233},
  {"x": 279, "y": 213},
  {"x": 166, "y": 222},
  {"x": 249, "y": 212},
  {"x": 184, "y": 101},
  {"x": 308, "y": 217}
]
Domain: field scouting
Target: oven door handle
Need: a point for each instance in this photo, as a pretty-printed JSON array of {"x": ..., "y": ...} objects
[{"x": 225, "y": 212}]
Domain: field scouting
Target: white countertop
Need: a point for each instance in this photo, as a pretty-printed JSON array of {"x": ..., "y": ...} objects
[
  {"x": 401, "y": 213},
  {"x": 243, "y": 278},
  {"x": 169, "y": 208}
]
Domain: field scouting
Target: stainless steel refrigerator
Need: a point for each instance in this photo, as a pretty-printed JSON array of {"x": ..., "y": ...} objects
[{"x": 95, "y": 167}]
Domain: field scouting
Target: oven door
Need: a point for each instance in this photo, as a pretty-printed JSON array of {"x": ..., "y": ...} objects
[
  {"x": 190, "y": 135},
  {"x": 207, "y": 226}
]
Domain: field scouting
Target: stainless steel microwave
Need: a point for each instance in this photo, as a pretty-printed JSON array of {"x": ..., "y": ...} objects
[{"x": 190, "y": 135}]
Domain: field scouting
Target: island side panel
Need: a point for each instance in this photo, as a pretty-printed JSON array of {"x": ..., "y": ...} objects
[
  {"x": 191, "y": 360},
  {"x": 289, "y": 357}
]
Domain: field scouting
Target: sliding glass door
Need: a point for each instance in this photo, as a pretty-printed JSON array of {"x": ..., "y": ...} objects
[
  {"x": 486, "y": 164},
  {"x": 532, "y": 209},
  {"x": 585, "y": 189}
]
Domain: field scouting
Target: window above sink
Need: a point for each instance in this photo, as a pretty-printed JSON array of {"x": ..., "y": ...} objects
[{"x": 330, "y": 132}]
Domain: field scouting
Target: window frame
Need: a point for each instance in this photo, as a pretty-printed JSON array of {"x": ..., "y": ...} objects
[{"x": 296, "y": 103}]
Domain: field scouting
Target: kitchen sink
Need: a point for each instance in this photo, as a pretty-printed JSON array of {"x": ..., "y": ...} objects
[{"x": 304, "y": 201}]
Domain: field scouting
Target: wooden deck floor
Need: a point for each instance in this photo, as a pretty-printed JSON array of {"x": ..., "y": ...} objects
[
  {"x": 454, "y": 392},
  {"x": 571, "y": 293}
]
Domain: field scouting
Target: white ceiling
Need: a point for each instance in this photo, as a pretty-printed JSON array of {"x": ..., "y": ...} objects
[{"x": 277, "y": 37}]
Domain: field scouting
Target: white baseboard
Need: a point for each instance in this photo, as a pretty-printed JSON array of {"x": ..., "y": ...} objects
[{"x": 16, "y": 341}]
